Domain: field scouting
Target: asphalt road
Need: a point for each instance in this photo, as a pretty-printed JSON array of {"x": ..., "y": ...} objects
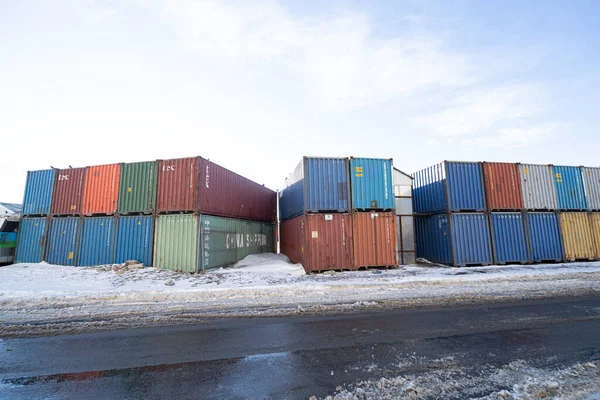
[{"x": 294, "y": 358}]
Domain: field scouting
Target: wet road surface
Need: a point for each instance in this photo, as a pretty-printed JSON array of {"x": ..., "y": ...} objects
[{"x": 294, "y": 358}]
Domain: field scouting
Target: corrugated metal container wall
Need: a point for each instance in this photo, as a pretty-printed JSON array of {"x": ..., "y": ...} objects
[
  {"x": 449, "y": 186},
  {"x": 375, "y": 239},
  {"x": 38, "y": 192},
  {"x": 176, "y": 242},
  {"x": 570, "y": 192},
  {"x": 225, "y": 241},
  {"x": 502, "y": 186},
  {"x": 456, "y": 239},
  {"x": 31, "y": 242},
  {"x": 227, "y": 194},
  {"x": 591, "y": 181},
  {"x": 545, "y": 240},
  {"x": 595, "y": 225},
  {"x": 135, "y": 236},
  {"x": 371, "y": 184},
  {"x": 509, "y": 241},
  {"x": 178, "y": 185},
  {"x": 578, "y": 239},
  {"x": 137, "y": 188},
  {"x": 538, "y": 187},
  {"x": 291, "y": 201},
  {"x": 63, "y": 241},
  {"x": 97, "y": 241},
  {"x": 326, "y": 184},
  {"x": 67, "y": 198},
  {"x": 291, "y": 240},
  {"x": 102, "y": 189}
]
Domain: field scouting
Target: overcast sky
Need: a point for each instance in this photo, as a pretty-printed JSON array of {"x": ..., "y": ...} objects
[{"x": 255, "y": 85}]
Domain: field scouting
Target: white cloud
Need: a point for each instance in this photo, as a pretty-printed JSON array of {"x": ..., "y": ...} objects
[{"x": 515, "y": 137}]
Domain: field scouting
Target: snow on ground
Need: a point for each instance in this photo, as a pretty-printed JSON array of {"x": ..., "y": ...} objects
[{"x": 263, "y": 285}]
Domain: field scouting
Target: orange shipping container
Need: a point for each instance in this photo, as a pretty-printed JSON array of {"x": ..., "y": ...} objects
[
  {"x": 102, "y": 189},
  {"x": 502, "y": 186},
  {"x": 375, "y": 239}
]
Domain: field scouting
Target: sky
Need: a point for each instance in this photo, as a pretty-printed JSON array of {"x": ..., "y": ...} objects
[{"x": 256, "y": 85}]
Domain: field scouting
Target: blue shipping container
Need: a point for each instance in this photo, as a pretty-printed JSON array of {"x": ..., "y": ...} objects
[
  {"x": 371, "y": 180},
  {"x": 31, "y": 242},
  {"x": 316, "y": 185},
  {"x": 509, "y": 241},
  {"x": 134, "y": 239},
  {"x": 97, "y": 241},
  {"x": 570, "y": 192},
  {"x": 545, "y": 240},
  {"x": 38, "y": 192},
  {"x": 449, "y": 186},
  {"x": 63, "y": 241},
  {"x": 454, "y": 239}
]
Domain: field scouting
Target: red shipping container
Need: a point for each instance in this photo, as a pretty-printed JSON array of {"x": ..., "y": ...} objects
[
  {"x": 68, "y": 191},
  {"x": 178, "y": 185},
  {"x": 102, "y": 189},
  {"x": 227, "y": 194},
  {"x": 319, "y": 242},
  {"x": 502, "y": 186},
  {"x": 375, "y": 239}
]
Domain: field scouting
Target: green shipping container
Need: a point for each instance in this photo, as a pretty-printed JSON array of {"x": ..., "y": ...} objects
[
  {"x": 176, "y": 242},
  {"x": 137, "y": 190},
  {"x": 224, "y": 241}
]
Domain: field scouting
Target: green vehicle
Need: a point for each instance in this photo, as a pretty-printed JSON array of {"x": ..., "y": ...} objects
[{"x": 9, "y": 220}]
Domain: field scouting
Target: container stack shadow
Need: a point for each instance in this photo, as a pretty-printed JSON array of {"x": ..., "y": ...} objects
[
  {"x": 472, "y": 213},
  {"x": 185, "y": 214},
  {"x": 339, "y": 214}
]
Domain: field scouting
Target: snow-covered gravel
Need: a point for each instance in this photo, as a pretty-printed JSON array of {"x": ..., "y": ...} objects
[{"x": 36, "y": 297}]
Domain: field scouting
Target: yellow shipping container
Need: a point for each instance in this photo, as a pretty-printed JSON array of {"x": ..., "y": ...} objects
[
  {"x": 595, "y": 224},
  {"x": 578, "y": 239}
]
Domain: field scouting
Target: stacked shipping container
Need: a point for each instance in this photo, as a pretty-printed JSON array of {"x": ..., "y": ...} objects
[
  {"x": 335, "y": 214},
  {"x": 534, "y": 212},
  {"x": 109, "y": 213}
]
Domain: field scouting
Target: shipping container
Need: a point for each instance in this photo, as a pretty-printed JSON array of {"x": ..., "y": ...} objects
[
  {"x": 577, "y": 236},
  {"x": 176, "y": 242},
  {"x": 178, "y": 185},
  {"x": 570, "y": 193},
  {"x": 595, "y": 226},
  {"x": 227, "y": 194},
  {"x": 63, "y": 241},
  {"x": 97, "y": 241},
  {"x": 32, "y": 238},
  {"x": 225, "y": 241},
  {"x": 371, "y": 183},
  {"x": 316, "y": 185},
  {"x": 137, "y": 188},
  {"x": 375, "y": 239},
  {"x": 502, "y": 186},
  {"x": 545, "y": 242},
  {"x": 67, "y": 198},
  {"x": 102, "y": 189},
  {"x": 135, "y": 238},
  {"x": 38, "y": 192},
  {"x": 319, "y": 242},
  {"x": 538, "y": 187},
  {"x": 591, "y": 182},
  {"x": 457, "y": 239},
  {"x": 449, "y": 186},
  {"x": 509, "y": 239}
]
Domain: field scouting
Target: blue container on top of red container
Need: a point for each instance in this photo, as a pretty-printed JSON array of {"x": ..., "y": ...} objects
[
  {"x": 570, "y": 191},
  {"x": 371, "y": 182},
  {"x": 449, "y": 186},
  {"x": 317, "y": 184}
]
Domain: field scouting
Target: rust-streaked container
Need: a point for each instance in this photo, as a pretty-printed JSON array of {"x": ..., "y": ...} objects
[
  {"x": 595, "y": 226},
  {"x": 178, "y": 185},
  {"x": 227, "y": 194},
  {"x": 68, "y": 191},
  {"x": 375, "y": 239},
  {"x": 502, "y": 183},
  {"x": 102, "y": 189},
  {"x": 577, "y": 235},
  {"x": 320, "y": 242}
]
